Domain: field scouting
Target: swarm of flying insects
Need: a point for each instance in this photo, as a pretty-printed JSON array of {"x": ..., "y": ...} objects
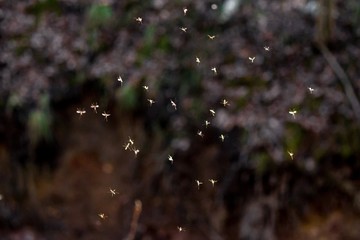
[
  {"x": 214, "y": 72},
  {"x": 228, "y": 118}
]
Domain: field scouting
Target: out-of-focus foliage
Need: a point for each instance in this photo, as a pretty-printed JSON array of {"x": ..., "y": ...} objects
[
  {"x": 99, "y": 15},
  {"x": 40, "y": 120}
]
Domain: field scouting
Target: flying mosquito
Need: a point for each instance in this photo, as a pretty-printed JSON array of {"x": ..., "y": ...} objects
[
  {"x": 138, "y": 19},
  {"x": 80, "y": 111},
  {"x": 214, "y": 70},
  {"x": 113, "y": 192},
  {"x": 252, "y": 59},
  {"x": 198, "y": 183},
  {"x": 213, "y": 181},
  {"x": 94, "y": 106},
  {"x": 173, "y": 104},
  {"x": 106, "y": 115}
]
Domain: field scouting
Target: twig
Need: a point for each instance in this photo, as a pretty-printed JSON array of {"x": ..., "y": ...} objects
[
  {"x": 345, "y": 81},
  {"x": 135, "y": 220}
]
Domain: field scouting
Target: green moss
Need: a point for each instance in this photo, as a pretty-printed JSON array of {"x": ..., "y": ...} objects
[
  {"x": 152, "y": 42},
  {"x": 42, "y": 6},
  {"x": 263, "y": 162},
  {"x": 190, "y": 82},
  {"x": 356, "y": 17},
  {"x": 164, "y": 44},
  {"x": 20, "y": 50},
  {"x": 13, "y": 102},
  {"x": 99, "y": 15},
  {"x": 253, "y": 83},
  {"x": 149, "y": 45},
  {"x": 76, "y": 79},
  {"x": 92, "y": 39},
  {"x": 39, "y": 125},
  {"x": 348, "y": 140},
  {"x": 241, "y": 101},
  {"x": 294, "y": 136},
  {"x": 40, "y": 121},
  {"x": 128, "y": 97},
  {"x": 197, "y": 109},
  {"x": 313, "y": 103}
]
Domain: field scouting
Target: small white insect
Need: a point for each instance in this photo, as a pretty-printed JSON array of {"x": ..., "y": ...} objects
[
  {"x": 197, "y": 60},
  {"x": 113, "y": 192},
  {"x": 291, "y": 155},
  {"x": 212, "y": 112},
  {"x": 94, "y": 106},
  {"x": 211, "y": 37},
  {"x": 213, "y": 181},
  {"x": 207, "y": 123},
  {"x": 311, "y": 90},
  {"x": 126, "y": 146},
  {"x": 225, "y": 103},
  {"x": 151, "y": 102},
  {"x": 185, "y": 11},
  {"x": 214, "y": 70},
  {"x": 170, "y": 158},
  {"x": 80, "y": 111},
  {"x": 200, "y": 134},
  {"x": 222, "y": 137},
  {"x": 173, "y": 104},
  {"x": 267, "y": 48},
  {"x": 102, "y": 216},
  {"x": 145, "y": 87},
  {"x": 183, "y": 29},
  {"x": 180, "y": 229},
  {"x": 136, "y": 151},
  {"x": 198, "y": 183},
  {"x": 252, "y": 59},
  {"x": 131, "y": 141},
  {"x": 293, "y": 112},
  {"x": 120, "y": 80},
  {"x": 106, "y": 115},
  {"x": 138, "y": 19}
]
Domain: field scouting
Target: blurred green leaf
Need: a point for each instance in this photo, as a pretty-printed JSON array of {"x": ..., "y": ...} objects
[
  {"x": 293, "y": 137},
  {"x": 99, "y": 15},
  {"x": 148, "y": 42},
  {"x": 39, "y": 124},
  {"x": 263, "y": 162},
  {"x": 13, "y": 101},
  {"x": 44, "y": 5},
  {"x": 40, "y": 120},
  {"x": 128, "y": 96}
]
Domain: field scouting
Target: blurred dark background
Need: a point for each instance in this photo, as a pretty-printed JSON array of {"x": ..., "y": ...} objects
[{"x": 57, "y": 167}]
